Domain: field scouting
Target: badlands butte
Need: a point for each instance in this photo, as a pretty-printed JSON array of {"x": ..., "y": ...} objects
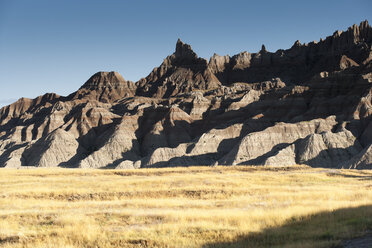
[{"x": 310, "y": 104}]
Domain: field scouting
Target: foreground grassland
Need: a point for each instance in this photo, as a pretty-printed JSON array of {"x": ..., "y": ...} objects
[{"x": 184, "y": 207}]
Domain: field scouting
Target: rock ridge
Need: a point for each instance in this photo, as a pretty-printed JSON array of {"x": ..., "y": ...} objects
[{"x": 310, "y": 104}]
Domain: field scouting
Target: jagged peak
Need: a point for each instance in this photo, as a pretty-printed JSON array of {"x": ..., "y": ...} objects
[
  {"x": 242, "y": 54},
  {"x": 364, "y": 24},
  {"x": 337, "y": 33},
  {"x": 363, "y": 32},
  {"x": 217, "y": 57},
  {"x": 263, "y": 49},
  {"x": 184, "y": 50},
  {"x": 296, "y": 44}
]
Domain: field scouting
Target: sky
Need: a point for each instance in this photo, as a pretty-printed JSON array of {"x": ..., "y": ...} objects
[{"x": 55, "y": 46}]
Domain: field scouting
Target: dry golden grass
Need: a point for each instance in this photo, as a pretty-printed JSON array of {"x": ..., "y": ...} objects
[{"x": 184, "y": 207}]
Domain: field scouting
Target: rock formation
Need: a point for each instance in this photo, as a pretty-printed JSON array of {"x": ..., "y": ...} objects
[{"x": 310, "y": 104}]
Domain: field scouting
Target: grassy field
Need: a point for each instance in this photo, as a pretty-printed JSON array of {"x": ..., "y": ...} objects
[{"x": 184, "y": 207}]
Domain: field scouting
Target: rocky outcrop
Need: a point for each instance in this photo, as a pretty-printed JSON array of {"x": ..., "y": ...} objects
[
  {"x": 310, "y": 104},
  {"x": 204, "y": 150},
  {"x": 346, "y": 63},
  {"x": 256, "y": 146},
  {"x": 362, "y": 160},
  {"x": 299, "y": 63},
  {"x": 116, "y": 145},
  {"x": 182, "y": 72},
  {"x": 327, "y": 149},
  {"x": 58, "y": 148},
  {"x": 25, "y": 106},
  {"x": 169, "y": 131},
  {"x": 106, "y": 87}
]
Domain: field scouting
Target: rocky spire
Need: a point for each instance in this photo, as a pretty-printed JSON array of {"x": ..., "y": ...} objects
[
  {"x": 184, "y": 51},
  {"x": 188, "y": 112},
  {"x": 263, "y": 49},
  {"x": 296, "y": 44},
  {"x": 355, "y": 33},
  {"x": 365, "y": 31}
]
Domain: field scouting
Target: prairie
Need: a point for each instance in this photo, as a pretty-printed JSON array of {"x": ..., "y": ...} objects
[{"x": 184, "y": 207}]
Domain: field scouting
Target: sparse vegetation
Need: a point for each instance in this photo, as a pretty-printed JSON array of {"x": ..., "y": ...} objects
[{"x": 184, "y": 207}]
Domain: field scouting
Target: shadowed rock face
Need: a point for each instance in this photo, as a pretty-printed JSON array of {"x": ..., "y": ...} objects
[
  {"x": 181, "y": 72},
  {"x": 310, "y": 104}
]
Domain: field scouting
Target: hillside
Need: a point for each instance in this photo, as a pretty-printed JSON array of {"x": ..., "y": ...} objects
[{"x": 310, "y": 104}]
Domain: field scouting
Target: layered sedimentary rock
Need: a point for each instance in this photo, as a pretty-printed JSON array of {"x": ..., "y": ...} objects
[
  {"x": 310, "y": 104},
  {"x": 181, "y": 72},
  {"x": 59, "y": 148},
  {"x": 105, "y": 87}
]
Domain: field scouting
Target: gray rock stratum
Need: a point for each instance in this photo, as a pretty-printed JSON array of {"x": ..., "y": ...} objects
[{"x": 310, "y": 104}]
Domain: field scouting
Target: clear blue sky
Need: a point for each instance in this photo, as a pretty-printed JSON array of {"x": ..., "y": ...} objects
[{"x": 55, "y": 46}]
